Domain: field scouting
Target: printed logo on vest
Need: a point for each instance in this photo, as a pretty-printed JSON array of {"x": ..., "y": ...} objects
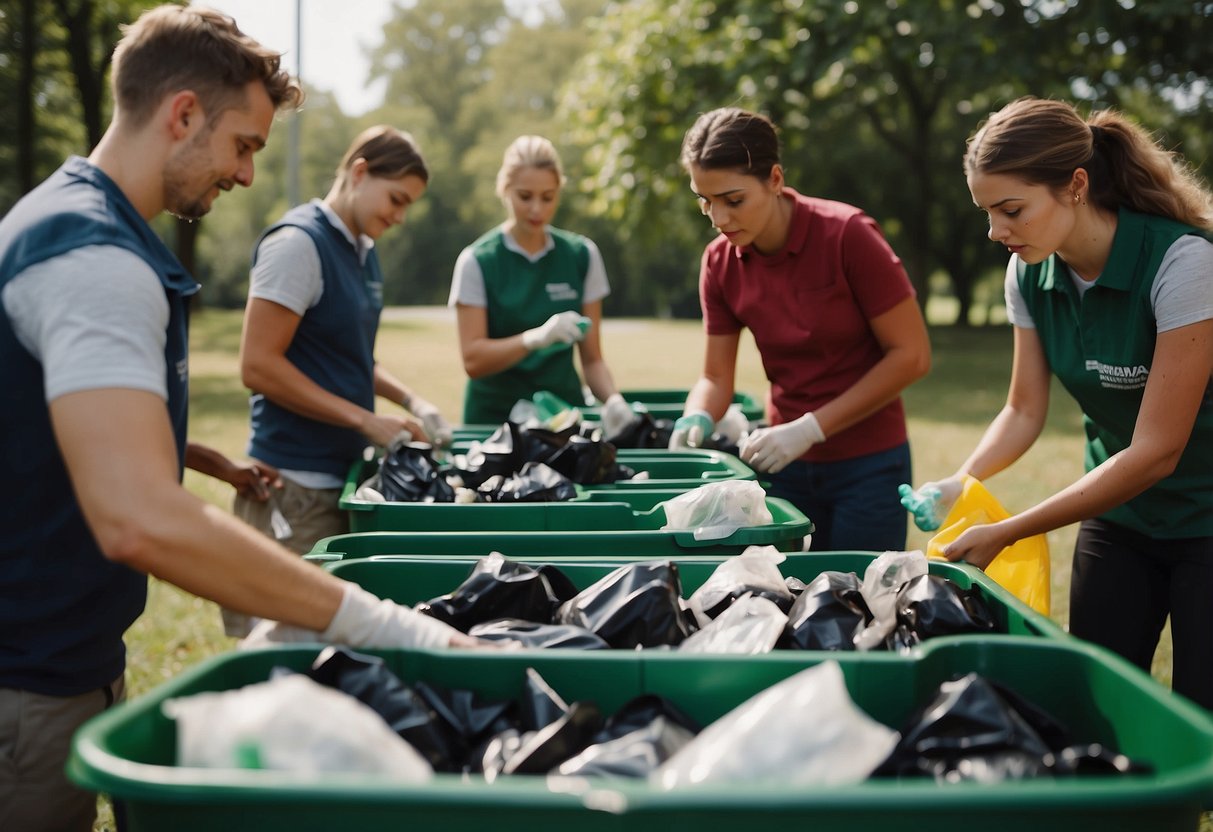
[
  {"x": 183, "y": 370},
  {"x": 1119, "y": 376},
  {"x": 561, "y": 291}
]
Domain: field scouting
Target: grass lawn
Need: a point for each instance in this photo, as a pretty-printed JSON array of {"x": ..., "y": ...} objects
[{"x": 948, "y": 411}]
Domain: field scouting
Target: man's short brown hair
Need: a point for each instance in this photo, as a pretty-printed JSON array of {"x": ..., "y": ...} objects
[{"x": 172, "y": 48}]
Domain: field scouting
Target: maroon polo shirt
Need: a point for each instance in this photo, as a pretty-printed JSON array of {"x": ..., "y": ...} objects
[{"x": 808, "y": 307}]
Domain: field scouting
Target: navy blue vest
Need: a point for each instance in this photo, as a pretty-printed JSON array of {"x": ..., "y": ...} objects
[
  {"x": 334, "y": 346},
  {"x": 63, "y": 606}
]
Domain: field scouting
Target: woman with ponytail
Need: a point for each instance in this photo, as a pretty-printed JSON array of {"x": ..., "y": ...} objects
[{"x": 1110, "y": 288}]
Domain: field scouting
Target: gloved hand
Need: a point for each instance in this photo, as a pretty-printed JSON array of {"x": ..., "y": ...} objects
[
  {"x": 931, "y": 502},
  {"x": 771, "y": 449},
  {"x": 561, "y": 328},
  {"x": 436, "y": 428},
  {"x": 617, "y": 415},
  {"x": 691, "y": 429},
  {"x": 364, "y": 620}
]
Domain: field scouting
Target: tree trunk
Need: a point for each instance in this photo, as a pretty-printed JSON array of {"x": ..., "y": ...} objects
[{"x": 25, "y": 96}]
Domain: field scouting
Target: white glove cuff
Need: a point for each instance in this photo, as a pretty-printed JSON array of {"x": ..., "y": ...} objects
[
  {"x": 811, "y": 428},
  {"x": 531, "y": 339},
  {"x": 364, "y": 620}
]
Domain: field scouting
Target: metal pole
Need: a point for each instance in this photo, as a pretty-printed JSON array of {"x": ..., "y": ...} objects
[{"x": 292, "y": 176}]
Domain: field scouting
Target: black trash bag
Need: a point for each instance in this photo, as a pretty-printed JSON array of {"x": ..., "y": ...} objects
[
  {"x": 472, "y": 718},
  {"x": 542, "y": 636},
  {"x": 539, "y": 705},
  {"x": 644, "y": 432},
  {"x": 969, "y": 732},
  {"x": 367, "y": 679},
  {"x": 585, "y": 461},
  {"x": 827, "y": 614},
  {"x": 535, "y": 483},
  {"x": 538, "y": 752},
  {"x": 408, "y": 474},
  {"x": 496, "y": 588},
  {"x": 1093, "y": 759},
  {"x": 642, "y": 735},
  {"x": 637, "y": 605},
  {"x": 931, "y": 605},
  {"x": 503, "y": 453},
  {"x": 562, "y": 588}
]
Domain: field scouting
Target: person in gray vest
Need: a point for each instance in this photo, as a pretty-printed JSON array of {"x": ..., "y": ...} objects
[
  {"x": 308, "y": 346},
  {"x": 525, "y": 293},
  {"x": 94, "y": 367},
  {"x": 1110, "y": 288}
]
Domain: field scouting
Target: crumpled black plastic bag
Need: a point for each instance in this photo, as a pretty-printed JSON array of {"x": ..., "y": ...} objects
[
  {"x": 535, "y": 483},
  {"x": 636, "y": 605},
  {"x": 977, "y": 730},
  {"x": 638, "y": 738},
  {"x": 644, "y": 432},
  {"x": 369, "y": 680},
  {"x": 931, "y": 605},
  {"x": 542, "y": 636},
  {"x": 578, "y": 452},
  {"x": 497, "y": 587},
  {"x": 408, "y": 474},
  {"x": 827, "y": 614}
]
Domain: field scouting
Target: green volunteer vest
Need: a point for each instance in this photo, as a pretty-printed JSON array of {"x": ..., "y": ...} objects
[
  {"x": 1101, "y": 348},
  {"x": 521, "y": 295}
]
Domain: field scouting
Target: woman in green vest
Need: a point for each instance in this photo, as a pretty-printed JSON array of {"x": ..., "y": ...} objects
[
  {"x": 525, "y": 292},
  {"x": 1110, "y": 288}
]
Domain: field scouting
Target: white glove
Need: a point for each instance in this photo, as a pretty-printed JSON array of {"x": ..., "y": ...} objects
[
  {"x": 437, "y": 428},
  {"x": 363, "y": 620},
  {"x": 690, "y": 429},
  {"x": 617, "y": 415},
  {"x": 931, "y": 502},
  {"x": 771, "y": 449},
  {"x": 561, "y": 328}
]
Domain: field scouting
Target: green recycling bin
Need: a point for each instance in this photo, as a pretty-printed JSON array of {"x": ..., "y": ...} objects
[
  {"x": 409, "y": 580},
  {"x": 128, "y": 752}
]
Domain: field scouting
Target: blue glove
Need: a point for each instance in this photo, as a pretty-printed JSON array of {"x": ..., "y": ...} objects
[
  {"x": 931, "y": 502},
  {"x": 691, "y": 429}
]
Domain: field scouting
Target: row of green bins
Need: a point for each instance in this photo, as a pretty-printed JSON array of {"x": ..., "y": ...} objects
[
  {"x": 660, "y": 404},
  {"x": 411, "y": 579},
  {"x": 620, "y": 510},
  {"x": 679, "y": 470},
  {"x": 129, "y": 751}
]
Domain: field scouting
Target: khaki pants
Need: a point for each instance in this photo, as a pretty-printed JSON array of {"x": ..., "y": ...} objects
[
  {"x": 35, "y": 741},
  {"x": 313, "y": 514}
]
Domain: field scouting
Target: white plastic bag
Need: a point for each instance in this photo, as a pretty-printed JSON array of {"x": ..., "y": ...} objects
[
  {"x": 803, "y": 731},
  {"x": 756, "y": 568},
  {"x": 751, "y": 625},
  {"x": 718, "y": 509},
  {"x": 881, "y": 581},
  {"x": 290, "y": 724}
]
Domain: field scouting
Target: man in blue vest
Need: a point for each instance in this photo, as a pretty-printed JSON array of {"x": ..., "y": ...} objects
[{"x": 94, "y": 368}]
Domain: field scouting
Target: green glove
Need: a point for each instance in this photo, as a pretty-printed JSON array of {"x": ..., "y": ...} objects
[{"x": 691, "y": 429}]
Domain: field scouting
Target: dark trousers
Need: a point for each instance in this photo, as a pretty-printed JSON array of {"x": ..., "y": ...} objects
[
  {"x": 1125, "y": 584},
  {"x": 853, "y": 503}
]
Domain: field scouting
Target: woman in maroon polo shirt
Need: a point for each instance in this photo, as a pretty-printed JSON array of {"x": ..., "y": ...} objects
[{"x": 836, "y": 323}]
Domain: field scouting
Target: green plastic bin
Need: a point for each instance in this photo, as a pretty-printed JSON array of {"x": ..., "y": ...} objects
[
  {"x": 128, "y": 752},
  {"x": 677, "y": 470},
  {"x": 409, "y": 580},
  {"x": 619, "y": 509},
  {"x": 661, "y": 404}
]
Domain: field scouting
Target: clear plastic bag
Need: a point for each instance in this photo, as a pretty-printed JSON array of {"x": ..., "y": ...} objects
[
  {"x": 804, "y": 731},
  {"x": 290, "y": 724},
  {"x": 881, "y": 582},
  {"x": 718, "y": 509},
  {"x": 754, "y": 571},
  {"x": 751, "y": 625}
]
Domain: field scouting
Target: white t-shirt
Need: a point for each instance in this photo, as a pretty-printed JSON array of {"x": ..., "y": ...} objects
[
  {"x": 95, "y": 317},
  {"x": 1182, "y": 293},
  {"x": 467, "y": 284}
]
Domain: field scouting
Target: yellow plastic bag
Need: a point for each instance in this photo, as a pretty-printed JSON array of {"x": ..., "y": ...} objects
[{"x": 1022, "y": 568}]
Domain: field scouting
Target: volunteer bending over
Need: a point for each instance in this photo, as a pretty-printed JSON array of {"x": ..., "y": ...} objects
[
  {"x": 1110, "y": 288},
  {"x": 525, "y": 292},
  {"x": 836, "y": 324}
]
